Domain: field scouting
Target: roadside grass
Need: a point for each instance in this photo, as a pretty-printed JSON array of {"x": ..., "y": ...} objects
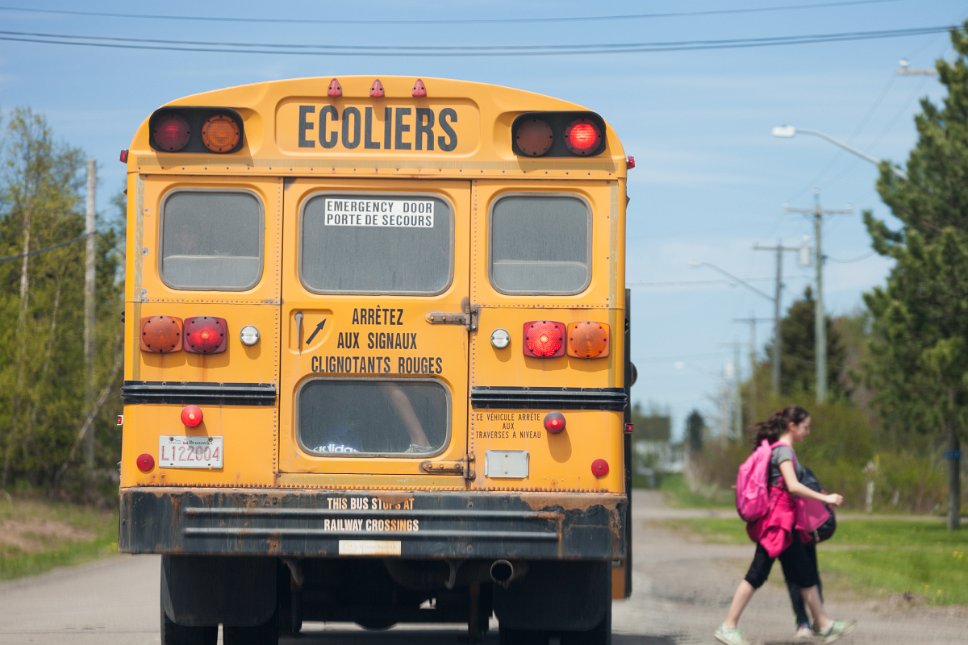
[
  {"x": 677, "y": 494},
  {"x": 38, "y": 535},
  {"x": 875, "y": 557}
]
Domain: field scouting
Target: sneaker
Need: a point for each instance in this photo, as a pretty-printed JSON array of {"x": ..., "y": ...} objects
[
  {"x": 804, "y": 633},
  {"x": 730, "y": 636},
  {"x": 837, "y": 629}
]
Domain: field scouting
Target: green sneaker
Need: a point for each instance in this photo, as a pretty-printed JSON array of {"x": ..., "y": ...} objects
[
  {"x": 837, "y": 629},
  {"x": 730, "y": 636}
]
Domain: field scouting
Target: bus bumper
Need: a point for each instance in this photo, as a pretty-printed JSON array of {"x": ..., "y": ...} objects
[{"x": 415, "y": 525}]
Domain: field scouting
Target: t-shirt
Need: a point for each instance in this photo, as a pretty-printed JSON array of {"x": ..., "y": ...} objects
[{"x": 781, "y": 453}]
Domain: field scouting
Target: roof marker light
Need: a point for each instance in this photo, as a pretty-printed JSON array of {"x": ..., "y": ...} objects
[
  {"x": 376, "y": 90},
  {"x": 335, "y": 89},
  {"x": 419, "y": 89}
]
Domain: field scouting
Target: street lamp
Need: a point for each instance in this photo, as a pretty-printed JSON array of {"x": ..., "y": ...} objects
[
  {"x": 776, "y": 314},
  {"x": 789, "y": 131}
]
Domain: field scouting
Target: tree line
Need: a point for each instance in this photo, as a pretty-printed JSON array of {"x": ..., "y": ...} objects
[
  {"x": 892, "y": 432},
  {"x": 44, "y": 414}
]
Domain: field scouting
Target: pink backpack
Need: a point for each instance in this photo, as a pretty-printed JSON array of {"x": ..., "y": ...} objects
[{"x": 752, "y": 489}]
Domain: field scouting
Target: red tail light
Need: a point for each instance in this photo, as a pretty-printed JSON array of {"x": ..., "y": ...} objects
[
  {"x": 170, "y": 132},
  {"x": 205, "y": 335},
  {"x": 583, "y": 137},
  {"x": 191, "y": 416},
  {"x": 534, "y": 137},
  {"x": 544, "y": 339},
  {"x": 554, "y": 422}
]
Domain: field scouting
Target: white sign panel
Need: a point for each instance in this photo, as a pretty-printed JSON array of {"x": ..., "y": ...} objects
[
  {"x": 379, "y": 213},
  {"x": 179, "y": 451}
]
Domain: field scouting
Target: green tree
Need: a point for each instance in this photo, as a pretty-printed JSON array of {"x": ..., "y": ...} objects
[
  {"x": 41, "y": 301},
  {"x": 918, "y": 363},
  {"x": 695, "y": 429},
  {"x": 799, "y": 351}
]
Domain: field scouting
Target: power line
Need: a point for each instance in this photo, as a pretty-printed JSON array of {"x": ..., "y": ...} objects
[
  {"x": 448, "y": 21},
  {"x": 46, "y": 249},
  {"x": 459, "y": 50}
]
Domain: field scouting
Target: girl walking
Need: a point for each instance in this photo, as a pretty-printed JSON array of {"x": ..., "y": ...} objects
[{"x": 776, "y": 534}]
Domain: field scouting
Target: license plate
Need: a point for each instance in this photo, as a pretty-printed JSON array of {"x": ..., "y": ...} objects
[{"x": 178, "y": 451}]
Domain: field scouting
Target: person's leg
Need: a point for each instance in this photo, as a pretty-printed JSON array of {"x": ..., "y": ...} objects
[
  {"x": 796, "y": 600},
  {"x": 757, "y": 574}
]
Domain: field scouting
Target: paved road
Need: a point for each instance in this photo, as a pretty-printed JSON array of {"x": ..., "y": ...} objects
[{"x": 682, "y": 589}]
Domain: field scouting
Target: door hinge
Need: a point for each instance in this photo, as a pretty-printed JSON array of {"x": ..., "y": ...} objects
[
  {"x": 463, "y": 467},
  {"x": 468, "y": 318}
]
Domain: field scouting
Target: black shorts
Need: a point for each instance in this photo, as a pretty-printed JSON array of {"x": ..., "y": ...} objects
[{"x": 798, "y": 567}]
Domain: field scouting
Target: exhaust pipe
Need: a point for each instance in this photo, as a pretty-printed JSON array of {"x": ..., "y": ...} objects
[{"x": 503, "y": 572}]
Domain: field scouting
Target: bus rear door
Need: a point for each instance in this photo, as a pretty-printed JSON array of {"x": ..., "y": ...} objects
[{"x": 375, "y": 321}]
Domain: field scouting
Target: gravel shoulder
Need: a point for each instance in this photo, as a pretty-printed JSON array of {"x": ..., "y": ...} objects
[{"x": 682, "y": 589}]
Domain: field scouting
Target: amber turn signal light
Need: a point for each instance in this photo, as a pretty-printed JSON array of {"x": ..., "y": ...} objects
[{"x": 588, "y": 339}]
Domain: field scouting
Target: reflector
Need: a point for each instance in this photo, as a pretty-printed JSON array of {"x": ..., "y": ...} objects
[
  {"x": 205, "y": 335},
  {"x": 161, "y": 334},
  {"x": 145, "y": 462},
  {"x": 588, "y": 339},
  {"x": 171, "y": 132},
  {"x": 221, "y": 133},
  {"x": 599, "y": 467},
  {"x": 544, "y": 338}
]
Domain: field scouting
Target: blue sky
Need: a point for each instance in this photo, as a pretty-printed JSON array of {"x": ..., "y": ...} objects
[{"x": 710, "y": 180}]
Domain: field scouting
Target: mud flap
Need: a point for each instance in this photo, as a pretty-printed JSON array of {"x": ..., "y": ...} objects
[
  {"x": 555, "y": 596},
  {"x": 207, "y": 590}
]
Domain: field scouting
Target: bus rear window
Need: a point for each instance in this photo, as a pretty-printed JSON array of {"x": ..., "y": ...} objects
[
  {"x": 211, "y": 240},
  {"x": 343, "y": 417},
  {"x": 376, "y": 244},
  {"x": 540, "y": 244}
]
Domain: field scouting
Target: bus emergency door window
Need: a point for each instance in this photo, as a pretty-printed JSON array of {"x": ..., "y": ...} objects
[
  {"x": 342, "y": 417},
  {"x": 376, "y": 243}
]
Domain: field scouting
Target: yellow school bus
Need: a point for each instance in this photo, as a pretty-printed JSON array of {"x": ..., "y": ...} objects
[{"x": 376, "y": 360}]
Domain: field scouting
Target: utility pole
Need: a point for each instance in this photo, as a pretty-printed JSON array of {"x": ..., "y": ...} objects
[
  {"x": 751, "y": 321},
  {"x": 819, "y": 320},
  {"x": 777, "y": 307},
  {"x": 89, "y": 302}
]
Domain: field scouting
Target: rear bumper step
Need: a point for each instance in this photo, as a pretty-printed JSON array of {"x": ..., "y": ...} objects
[{"x": 401, "y": 524}]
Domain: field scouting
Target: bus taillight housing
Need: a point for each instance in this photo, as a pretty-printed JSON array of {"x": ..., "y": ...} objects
[
  {"x": 205, "y": 335},
  {"x": 544, "y": 339},
  {"x": 558, "y": 134},
  {"x": 588, "y": 339},
  {"x": 199, "y": 130}
]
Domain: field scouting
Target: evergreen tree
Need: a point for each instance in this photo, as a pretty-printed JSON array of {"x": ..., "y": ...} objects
[
  {"x": 695, "y": 429},
  {"x": 799, "y": 351},
  {"x": 919, "y": 353}
]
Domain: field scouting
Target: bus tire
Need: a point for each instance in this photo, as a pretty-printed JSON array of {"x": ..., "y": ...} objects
[
  {"x": 175, "y": 634},
  {"x": 265, "y": 634},
  {"x": 600, "y": 634},
  {"x": 510, "y": 636}
]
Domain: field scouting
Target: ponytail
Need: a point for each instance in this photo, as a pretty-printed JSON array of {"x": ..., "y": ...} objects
[{"x": 776, "y": 425}]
